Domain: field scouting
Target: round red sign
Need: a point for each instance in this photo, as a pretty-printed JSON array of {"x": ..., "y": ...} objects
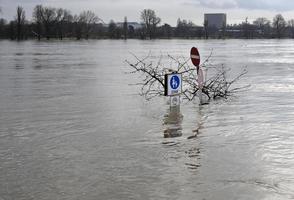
[{"x": 195, "y": 57}]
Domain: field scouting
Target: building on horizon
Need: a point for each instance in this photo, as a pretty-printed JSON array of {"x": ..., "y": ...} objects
[
  {"x": 133, "y": 25},
  {"x": 215, "y": 20}
]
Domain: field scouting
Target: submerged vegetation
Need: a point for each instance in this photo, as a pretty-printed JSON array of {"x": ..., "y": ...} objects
[
  {"x": 59, "y": 23},
  {"x": 217, "y": 85}
]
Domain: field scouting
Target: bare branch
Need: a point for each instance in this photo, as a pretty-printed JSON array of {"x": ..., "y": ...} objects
[{"x": 216, "y": 85}]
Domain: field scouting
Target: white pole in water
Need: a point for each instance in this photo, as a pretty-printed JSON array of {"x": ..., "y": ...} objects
[
  {"x": 200, "y": 83},
  {"x": 175, "y": 101},
  {"x": 195, "y": 58},
  {"x": 200, "y": 96}
]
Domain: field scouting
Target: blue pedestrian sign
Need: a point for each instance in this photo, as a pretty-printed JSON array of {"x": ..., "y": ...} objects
[{"x": 173, "y": 84}]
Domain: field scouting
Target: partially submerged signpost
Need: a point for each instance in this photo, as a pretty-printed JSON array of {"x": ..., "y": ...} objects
[
  {"x": 156, "y": 82},
  {"x": 173, "y": 87},
  {"x": 173, "y": 81},
  {"x": 195, "y": 58}
]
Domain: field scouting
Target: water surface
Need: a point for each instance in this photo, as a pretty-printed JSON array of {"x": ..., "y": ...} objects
[{"x": 72, "y": 126}]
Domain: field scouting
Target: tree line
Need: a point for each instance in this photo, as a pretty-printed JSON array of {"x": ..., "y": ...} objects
[{"x": 59, "y": 23}]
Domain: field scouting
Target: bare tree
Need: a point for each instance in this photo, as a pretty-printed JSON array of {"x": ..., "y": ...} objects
[
  {"x": 51, "y": 21},
  {"x": 262, "y": 24},
  {"x": 185, "y": 28},
  {"x": 88, "y": 20},
  {"x": 223, "y": 30},
  {"x": 49, "y": 18},
  {"x": 125, "y": 28},
  {"x": 166, "y": 31},
  {"x": 216, "y": 85},
  {"x": 245, "y": 27},
  {"x": 37, "y": 17},
  {"x": 291, "y": 27},
  {"x": 11, "y": 30},
  {"x": 112, "y": 29},
  {"x": 20, "y": 21},
  {"x": 63, "y": 19},
  {"x": 279, "y": 24},
  {"x": 206, "y": 28},
  {"x": 150, "y": 21},
  {"x": 3, "y": 23},
  {"x": 77, "y": 27}
]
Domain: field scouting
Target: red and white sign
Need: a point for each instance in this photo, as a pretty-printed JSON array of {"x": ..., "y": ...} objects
[{"x": 195, "y": 56}]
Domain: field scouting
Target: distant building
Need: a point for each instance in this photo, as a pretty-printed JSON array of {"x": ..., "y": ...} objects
[
  {"x": 134, "y": 25},
  {"x": 216, "y": 20}
]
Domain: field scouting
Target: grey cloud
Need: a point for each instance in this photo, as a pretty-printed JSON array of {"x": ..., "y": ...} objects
[
  {"x": 272, "y": 5},
  {"x": 223, "y": 4}
]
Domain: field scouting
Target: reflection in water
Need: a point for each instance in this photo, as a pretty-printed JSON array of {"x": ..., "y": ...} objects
[
  {"x": 19, "y": 66},
  {"x": 193, "y": 153},
  {"x": 199, "y": 123},
  {"x": 193, "y": 161},
  {"x": 187, "y": 152},
  {"x": 173, "y": 122}
]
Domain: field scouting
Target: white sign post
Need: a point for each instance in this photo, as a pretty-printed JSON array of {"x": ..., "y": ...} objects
[
  {"x": 195, "y": 58},
  {"x": 173, "y": 88},
  {"x": 200, "y": 81},
  {"x": 175, "y": 101}
]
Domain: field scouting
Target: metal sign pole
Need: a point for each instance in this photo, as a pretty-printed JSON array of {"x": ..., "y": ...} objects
[
  {"x": 200, "y": 95},
  {"x": 175, "y": 101},
  {"x": 200, "y": 83},
  {"x": 195, "y": 58},
  {"x": 170, "y": 103}
]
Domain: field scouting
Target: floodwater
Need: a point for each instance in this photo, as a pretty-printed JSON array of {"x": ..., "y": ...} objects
[{"x": 73, "y": 127}]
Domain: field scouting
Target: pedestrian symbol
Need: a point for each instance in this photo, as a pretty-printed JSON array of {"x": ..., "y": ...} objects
[{"x": 174, "y": 82}]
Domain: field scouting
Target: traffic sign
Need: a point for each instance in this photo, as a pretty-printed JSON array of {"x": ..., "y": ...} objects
[
  {"x": 173, "y": 84},
  {"x": 195, "y": 56}
]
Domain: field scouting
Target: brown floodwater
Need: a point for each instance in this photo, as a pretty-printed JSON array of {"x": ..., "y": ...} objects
[{"x": 73, "y": 127}]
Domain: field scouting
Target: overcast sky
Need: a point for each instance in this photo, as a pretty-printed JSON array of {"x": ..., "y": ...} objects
[{"x": 168, "y": 10}]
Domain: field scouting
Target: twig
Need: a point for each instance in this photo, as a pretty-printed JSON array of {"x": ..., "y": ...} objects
[{"x": 216, "y": 86}]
